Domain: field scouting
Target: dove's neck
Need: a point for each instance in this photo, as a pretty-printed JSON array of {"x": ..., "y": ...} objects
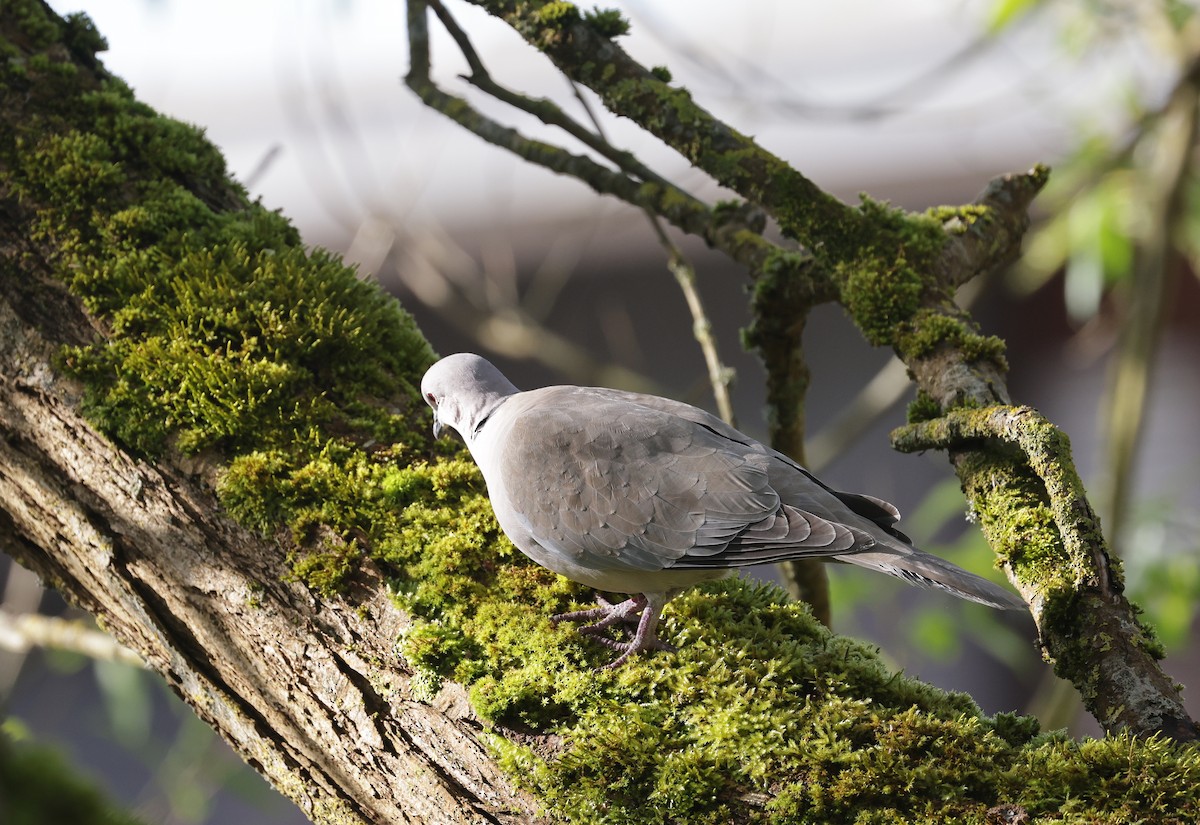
[{"x": 477, "y": 418}]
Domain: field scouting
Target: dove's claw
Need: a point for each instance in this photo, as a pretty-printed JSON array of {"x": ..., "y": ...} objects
[{"x": 642, "y": 609}]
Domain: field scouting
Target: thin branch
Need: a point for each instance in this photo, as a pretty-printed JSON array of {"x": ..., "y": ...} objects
[
  {"x": 631, "y": 90},
  {"x": 546, "y": 110},
  {"x": 719, "y": 375},
  {"x": 507, "y": 329},
  {"x": 21, "y": 633},
  {"x": 734, "y": 231},
  {"x": 1165, "y": 182}
]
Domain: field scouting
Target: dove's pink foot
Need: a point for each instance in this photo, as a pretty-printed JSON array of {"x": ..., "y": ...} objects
[{"x": 642, "y": 609}]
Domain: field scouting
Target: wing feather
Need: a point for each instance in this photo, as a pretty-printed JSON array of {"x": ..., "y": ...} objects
[{"x": 613, "y": 482}]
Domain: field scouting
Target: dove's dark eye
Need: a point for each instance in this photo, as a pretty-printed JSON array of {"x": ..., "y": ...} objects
[{"x": 432, "y": 401}]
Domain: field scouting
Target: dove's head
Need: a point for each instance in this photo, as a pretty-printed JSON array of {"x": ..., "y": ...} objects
[{"x": 463, "y": 390}]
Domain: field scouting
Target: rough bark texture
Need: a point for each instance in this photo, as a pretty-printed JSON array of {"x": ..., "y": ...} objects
[{"x": 311, "y": 693}]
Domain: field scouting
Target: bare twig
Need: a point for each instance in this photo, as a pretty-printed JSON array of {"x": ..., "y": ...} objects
[
  {"x": 500, "y": 324},
  {"x": 21, "y": 633},
  {"x": 719, "y": 376},
  {"x": 545, "y": 109}
]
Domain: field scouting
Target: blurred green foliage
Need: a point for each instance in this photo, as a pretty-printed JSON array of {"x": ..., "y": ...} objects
[{"x": 37, "y": 787}]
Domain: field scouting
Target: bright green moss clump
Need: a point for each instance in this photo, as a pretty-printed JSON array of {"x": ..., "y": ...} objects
[
  {"x": 883, "y": 264},
  {"x": 764, "y": 716}
]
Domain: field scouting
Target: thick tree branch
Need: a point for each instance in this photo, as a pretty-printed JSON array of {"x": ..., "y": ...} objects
[
  {"x": 306, "y": 690},
  {"x": 309, "y": 690}
]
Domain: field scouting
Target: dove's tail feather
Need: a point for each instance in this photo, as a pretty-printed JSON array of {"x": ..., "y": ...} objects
[{"x": 924, "y": 570}]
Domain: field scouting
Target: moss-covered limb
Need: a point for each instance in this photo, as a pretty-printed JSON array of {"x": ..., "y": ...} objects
[
  {"x": 882, "y": 264},
  {"x": 588, "y": 55},
  {"x": 986, "y": 235},
  {"x": 1019, "y": 477},
  {"x": 764, "y": 716},
  {"x": 205, "y": 339},
  {"x": 951, "y": 361},
  {"x": 736, "y": 231},
  {"x": 780, "y": 314}
]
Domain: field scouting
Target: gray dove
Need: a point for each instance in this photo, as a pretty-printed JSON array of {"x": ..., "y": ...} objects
[{"x": 632, "y": 493}]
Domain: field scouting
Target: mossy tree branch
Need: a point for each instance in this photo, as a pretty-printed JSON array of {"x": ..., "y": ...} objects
[
  {"x": 209, "y": 437},
  {"x": 734, "y": 230},
  {"x": 896, "y": 275},
  {"x": 1090, "y": 631},
  {"x": 117, "y": 225}
]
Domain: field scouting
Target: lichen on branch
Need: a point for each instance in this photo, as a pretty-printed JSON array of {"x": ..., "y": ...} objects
[{"x": 1022, "y": 488}]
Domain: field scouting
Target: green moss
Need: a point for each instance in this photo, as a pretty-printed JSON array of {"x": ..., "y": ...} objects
[
  {"x": 1014, "y": 513},
  {"x": 37, "y": 24},
  {"x": 923, "y": 408},
  {"x": 778, "y": 286},
  {"x": 558, "y": 13},
  {"x": 763, "y": 703},
  {"x": 884, "y": 268},
  {"x": 957, "y": 219},
  {"x": 606, "y": 22},
  {"x": 82, "y": 38},
  {"x": 224, "y": 335},
  {"x": 435, "y": 646},
  {"x": 928, "y": 329},
  {"x": 880, "y": 295}
]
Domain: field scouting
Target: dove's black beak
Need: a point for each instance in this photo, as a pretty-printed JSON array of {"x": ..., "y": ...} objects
[{"x": 437, "y": 426}]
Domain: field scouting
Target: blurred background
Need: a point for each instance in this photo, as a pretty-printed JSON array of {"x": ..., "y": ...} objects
[{"x": 918, "y": 103}]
